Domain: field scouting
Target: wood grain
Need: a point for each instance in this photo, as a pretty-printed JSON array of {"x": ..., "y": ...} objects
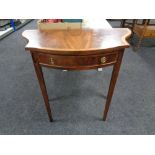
[
  {"x": 77, "y": 42},
  {"x": 77, "y": 62}
]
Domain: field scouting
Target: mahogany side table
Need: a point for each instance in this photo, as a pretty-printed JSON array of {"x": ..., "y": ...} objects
[{"x": 82, "y": 49}]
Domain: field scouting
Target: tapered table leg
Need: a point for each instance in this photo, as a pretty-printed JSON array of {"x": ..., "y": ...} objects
[
  {"x": 114, "y": 76},
  {"x": 41, "y": 81}
]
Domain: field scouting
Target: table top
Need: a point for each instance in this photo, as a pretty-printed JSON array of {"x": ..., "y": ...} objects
[{"x": 80, "y": 41}]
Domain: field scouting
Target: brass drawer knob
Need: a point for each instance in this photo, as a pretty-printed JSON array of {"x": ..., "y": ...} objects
[
  {"x": 103, "y": 60},
  {"x": 52, "y": 61}
]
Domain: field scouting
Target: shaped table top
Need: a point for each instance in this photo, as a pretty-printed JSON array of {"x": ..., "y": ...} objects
[{"x": 78, "y": 41}]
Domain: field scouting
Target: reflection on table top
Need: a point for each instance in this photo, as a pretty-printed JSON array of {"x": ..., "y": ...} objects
[{"x": 88, "y": 38}]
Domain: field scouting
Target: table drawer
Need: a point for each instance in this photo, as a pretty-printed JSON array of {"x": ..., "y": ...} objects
[{"x": 90, "y": 61}]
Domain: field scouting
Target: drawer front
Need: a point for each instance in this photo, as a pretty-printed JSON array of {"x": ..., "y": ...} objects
[{"x": 73, "y": 62}]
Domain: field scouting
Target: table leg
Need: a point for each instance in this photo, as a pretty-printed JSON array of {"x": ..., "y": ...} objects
[
  {"x": 114, "y": 76},
  {"x": 41, "y": 81}
]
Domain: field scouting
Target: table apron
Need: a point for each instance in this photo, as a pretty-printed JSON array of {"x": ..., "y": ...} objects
[{"x": 77, "y": 62}]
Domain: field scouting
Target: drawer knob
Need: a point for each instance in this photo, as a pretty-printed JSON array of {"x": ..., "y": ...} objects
[
  {"x": 103, "y": 60},
  {"x": 52, "y": 61}
]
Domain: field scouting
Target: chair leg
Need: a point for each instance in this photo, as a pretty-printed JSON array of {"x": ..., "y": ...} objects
[
  {"x": 139, "y": 43},
  {"x": 136, "y": 47},
  {"x": 123, "y": 22}
]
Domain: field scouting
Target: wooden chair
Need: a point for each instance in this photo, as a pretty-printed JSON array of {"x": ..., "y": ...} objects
[
  {"x": 143, "y": 30},
  {"x": 128, "y": 23}
]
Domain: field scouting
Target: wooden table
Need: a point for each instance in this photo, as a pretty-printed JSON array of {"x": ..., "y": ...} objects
[{"x": 87, "y": 48}]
